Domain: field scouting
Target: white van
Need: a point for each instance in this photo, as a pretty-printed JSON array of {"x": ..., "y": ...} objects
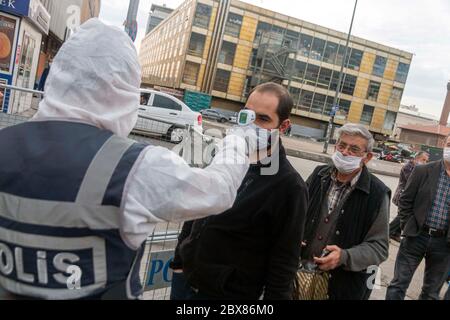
[{"x": 164, "y": 115}]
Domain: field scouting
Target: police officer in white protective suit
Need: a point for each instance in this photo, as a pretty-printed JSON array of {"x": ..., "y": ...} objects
[{"x": 76, "y": 194}]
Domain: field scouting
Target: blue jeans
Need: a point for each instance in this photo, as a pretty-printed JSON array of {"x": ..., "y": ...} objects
[
  {"x": 411, "y": 253},
  {"x": 181, "y": 290}
]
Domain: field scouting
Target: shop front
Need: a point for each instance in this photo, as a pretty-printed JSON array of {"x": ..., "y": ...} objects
[{"x": 22, "y": 24}]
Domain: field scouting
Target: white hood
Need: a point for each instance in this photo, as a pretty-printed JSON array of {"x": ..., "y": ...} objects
[{"x": 94, "y": 78}]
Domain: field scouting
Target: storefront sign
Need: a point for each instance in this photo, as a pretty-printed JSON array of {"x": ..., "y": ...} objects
[
  {"x": 17, "y": 7},
  {"x": 8, "y": 26},
  {"x": 39, "y": 16}
]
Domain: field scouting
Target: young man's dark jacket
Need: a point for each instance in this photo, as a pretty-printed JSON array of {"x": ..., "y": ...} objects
[
  {"x": 255, "y": 246},
  {"x": 356, "y": 218}
]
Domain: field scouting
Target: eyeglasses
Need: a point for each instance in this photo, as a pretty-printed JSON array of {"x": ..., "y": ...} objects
[{"x": 352, "y": 149}]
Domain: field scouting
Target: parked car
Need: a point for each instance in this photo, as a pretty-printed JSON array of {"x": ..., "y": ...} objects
[
  {"x": 215, "y": 115},
  {"x": 164, "y": 115},
  {"x": 378, "y": 153}
]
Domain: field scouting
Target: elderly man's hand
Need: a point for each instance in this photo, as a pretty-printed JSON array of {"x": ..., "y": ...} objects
[{"x": 330, "y": 262}]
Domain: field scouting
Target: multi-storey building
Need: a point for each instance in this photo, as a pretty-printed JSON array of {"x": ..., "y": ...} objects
[
  {"x": 156, "y": 16},
  {"x": 226, "y": 47}
]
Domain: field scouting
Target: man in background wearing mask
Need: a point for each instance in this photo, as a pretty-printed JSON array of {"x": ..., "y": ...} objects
[
  {"x": 77, "y": 194},
  {"x": 252, "y": 248},
  {"x": 424, "y": 218},
  {"x": 348, "y": 217},
  {"x": 421, "y": 158}
]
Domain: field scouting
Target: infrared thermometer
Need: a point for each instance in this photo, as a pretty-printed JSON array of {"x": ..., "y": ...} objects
[{"x": 246, "y": 117}]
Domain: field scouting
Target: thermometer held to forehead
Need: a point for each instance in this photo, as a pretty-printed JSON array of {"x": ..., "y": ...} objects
[{"x": 246, "y": 117}]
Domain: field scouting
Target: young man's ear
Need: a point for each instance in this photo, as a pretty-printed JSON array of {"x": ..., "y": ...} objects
[{"x": 285, "y": 125}]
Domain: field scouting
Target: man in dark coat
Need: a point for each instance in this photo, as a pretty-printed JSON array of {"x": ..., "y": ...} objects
[
  {"x": 421, "y": 158},
  {"x": 253, "y": 249},
  {"x": 424, "y": 218}
]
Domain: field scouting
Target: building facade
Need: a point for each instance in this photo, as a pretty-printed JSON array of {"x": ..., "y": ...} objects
[
  {"x": 90, "y": 9},
  {"x": 225, "y": 48},
  {"x": 410, "y": 116},
  {"x": 156, "y": 16},
  {"x": 64, "y": 13},
  {"x": 23, "y": 24},
  {"x": 434, "y": 134}
]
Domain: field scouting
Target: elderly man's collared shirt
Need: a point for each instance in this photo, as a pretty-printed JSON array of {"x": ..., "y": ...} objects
[
  {"x": 338, "y": 193},
  {"x": 438, "y": 217}
]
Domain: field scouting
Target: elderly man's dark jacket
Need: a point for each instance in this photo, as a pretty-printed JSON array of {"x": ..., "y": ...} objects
[
  {"x": 416, "y": 201},
  {"x": 356, "y": 218}
]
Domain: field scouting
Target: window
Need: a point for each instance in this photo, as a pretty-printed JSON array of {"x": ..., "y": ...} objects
[
  {"x": 328, "y": 105},
  {"x": 305, "y": 45},
  {"x": 396, "y": 96},
  {"x": 349, "y": 84},
  {"x": 295, "y": 94},
  {"x": 262, "y": 28},
  {"x": 389, "y": 120},
  {"x": 334, "y": 81},
  {"x": 277, "y": 35},
  {"x": 355, "y": 59},
  {"x": 374, "y": 90},
  {"x": 145, "y": 97},
  {"x": 166, "y": 103},
  {"x": 247, "y": 86},
  {"x": 324, "y": 78},
  {"x": 197, "y": 44},
  {"x": 318, "y": 103},
  {"x": 367, "y": 115},
  {"x": 292, "y": 39},
  {"x": 402, "y": 72},
  {"x": 191, "y": 71},
  {"x": 344, "y": 107},
  {"x": 202, "y": 15},
  {"x": 331, "y": 51},
  {"x": 222, "y": 80},
  {"x": 306, "y": 98},
  {"x": 227, "y": 53},
  {"x": 311, "y": 75},
  {"x": 341, "y": 54},
  {"x": 317, "y": 49},
  {"x": 379, "y": 66},
  {"x": 299, "y": 70},
  {"x": 253, "y": 57},
  {"x": 234, "y": 24}
]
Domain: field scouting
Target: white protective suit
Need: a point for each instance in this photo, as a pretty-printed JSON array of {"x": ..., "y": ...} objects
[{"x": 95, "y": 79}]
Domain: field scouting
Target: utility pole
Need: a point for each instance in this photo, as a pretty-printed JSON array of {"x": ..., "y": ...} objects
[
  {"x": 131, "y": 26},
  {"x": 339, "y": 85}
]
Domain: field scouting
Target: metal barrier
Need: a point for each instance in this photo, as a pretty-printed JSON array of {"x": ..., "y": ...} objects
[{"x": 164, "y": 239}]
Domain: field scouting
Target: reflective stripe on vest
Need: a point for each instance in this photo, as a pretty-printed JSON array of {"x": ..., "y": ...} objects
[{"x": 68, "y": 250}]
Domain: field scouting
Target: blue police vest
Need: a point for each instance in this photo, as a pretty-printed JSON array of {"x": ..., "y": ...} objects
[{"x": 61, "y": 190}]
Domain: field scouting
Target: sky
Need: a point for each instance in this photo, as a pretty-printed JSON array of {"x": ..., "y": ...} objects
[{"x": 416, "y": 26}]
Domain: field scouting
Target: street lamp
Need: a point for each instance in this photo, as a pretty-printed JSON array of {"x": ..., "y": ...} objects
[{"x": 339, "y": 85}]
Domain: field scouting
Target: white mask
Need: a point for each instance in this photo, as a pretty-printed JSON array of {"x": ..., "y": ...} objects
[
  {"x": 346, "y": 164},
  {"x": 447, "y": 154},
  {"x": 264, "y": 136}
]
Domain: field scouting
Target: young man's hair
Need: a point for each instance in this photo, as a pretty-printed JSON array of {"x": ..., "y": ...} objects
[{"x": 285, "y": 102}]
